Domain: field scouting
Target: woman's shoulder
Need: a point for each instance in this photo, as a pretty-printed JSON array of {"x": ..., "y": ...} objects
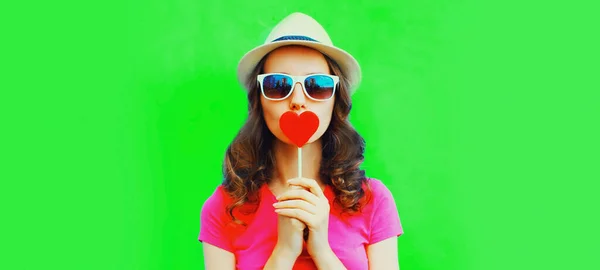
[
  {"x": 214, "y": 220},
  {"x": 375, "y": 183},
  {"x": 217, "y": 200},
  {"x": 220, "y": 202},
  {"x": 376, "y": 188},
  {"x": 376, "y": 193},
  {"x": 384, "y": 217}
]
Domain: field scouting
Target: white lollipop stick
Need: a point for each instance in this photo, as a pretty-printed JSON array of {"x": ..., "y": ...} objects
[{"x": 299, "y": 162}]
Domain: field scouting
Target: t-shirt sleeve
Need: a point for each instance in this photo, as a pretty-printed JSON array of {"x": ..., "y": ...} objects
[
  {"x": 213, "y": 220},
  {"x": 385, "y": 221}
]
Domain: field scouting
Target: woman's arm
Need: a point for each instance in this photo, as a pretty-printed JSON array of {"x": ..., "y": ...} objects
[
  {"x": 217, "y": 259},
  {"x": 383, "y": 254}
]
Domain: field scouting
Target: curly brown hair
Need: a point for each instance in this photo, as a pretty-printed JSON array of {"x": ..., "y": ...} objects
[{"x": 249, "y": 160}]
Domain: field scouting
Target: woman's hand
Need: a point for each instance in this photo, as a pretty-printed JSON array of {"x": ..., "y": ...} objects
[
  {"x": 289, "y": 235},
  {"x": 290, "y": 242},
  {"x": 310, "y": 206}
]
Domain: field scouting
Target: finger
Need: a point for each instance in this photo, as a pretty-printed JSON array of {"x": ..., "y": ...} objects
[
  {"x": 299, "y": 194},
  {"x": 308, "y": 183},
  {"x": 296, "y": 204},
  {"x": 296, "y": 187},
  {"x": 299, "y": 214}
]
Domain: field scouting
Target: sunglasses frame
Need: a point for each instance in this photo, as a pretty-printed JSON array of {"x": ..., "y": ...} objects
[{"x": 297, "y": 79}]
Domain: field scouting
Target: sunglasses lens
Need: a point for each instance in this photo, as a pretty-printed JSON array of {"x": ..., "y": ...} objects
[
  {"x": 319, "y": 86},
  {"x": 277, "y": 86}
]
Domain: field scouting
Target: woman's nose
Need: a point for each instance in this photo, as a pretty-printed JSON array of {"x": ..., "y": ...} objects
[{"x": 298, "y": 99}]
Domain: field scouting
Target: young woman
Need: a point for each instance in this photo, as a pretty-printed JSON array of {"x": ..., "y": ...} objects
[{"x": 262, "y": 216}]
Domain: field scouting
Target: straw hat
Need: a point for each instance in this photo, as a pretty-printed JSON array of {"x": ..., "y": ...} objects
[{"x": 300, "y": 29}]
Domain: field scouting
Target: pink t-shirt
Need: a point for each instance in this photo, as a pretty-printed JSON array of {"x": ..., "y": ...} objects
[{"x": 348, "y": 235}]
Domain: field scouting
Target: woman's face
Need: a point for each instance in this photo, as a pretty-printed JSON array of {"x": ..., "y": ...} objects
[{"x": 297, "y": 61}]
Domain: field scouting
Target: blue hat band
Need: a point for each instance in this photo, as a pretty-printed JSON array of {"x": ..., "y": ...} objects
[{"x": 305, "y": 38}]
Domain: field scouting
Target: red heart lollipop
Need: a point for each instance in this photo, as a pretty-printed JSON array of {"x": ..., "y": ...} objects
[{"x": 299, "y": 128}]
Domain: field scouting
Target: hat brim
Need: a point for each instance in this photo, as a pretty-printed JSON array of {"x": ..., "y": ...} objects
[{"x": 348, "y": 64}]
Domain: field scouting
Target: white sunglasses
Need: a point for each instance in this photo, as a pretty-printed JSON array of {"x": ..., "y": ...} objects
[{"x": 278, "y": 86}]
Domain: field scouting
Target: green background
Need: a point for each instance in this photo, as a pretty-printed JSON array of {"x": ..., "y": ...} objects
[{"x": 481, "y": 117}]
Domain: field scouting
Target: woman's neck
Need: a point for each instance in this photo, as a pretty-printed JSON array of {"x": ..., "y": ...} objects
[{"x": 286, "y": 162}]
